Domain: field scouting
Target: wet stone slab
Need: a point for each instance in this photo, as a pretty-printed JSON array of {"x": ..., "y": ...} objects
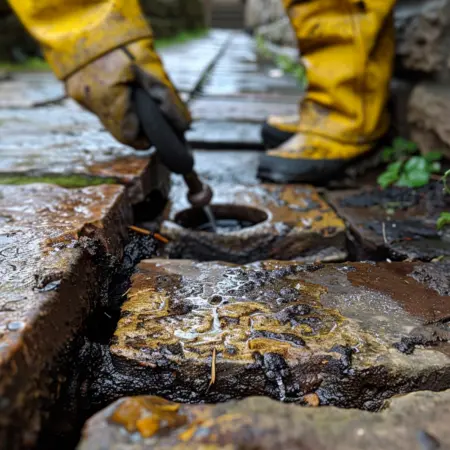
[
  {"x": 52, "y": 241},
  {"x": 29, "y": 89},
  {"x": 65, "y": 145},
  {"x": 398, "y": 223},
  {"x": 240, "y": 110},
  {"x": 416, "y": 421},
  {"x": 282, "y": 222},
  {"x": 348, "y": 335},
  {"x": 222, "y": 134}
]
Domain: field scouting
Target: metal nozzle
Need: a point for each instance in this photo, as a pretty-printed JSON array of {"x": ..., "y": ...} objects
[{"x": 199, "y": 194}]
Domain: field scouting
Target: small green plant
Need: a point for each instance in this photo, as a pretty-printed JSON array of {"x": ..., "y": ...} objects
[
  {"x": 34, "y": 64},
  {"x": 444, "y": 218},
  {"x": 181, "y": 38},
  {"x": 406, "y": 168},
  {"x": 283, "y": 62}
]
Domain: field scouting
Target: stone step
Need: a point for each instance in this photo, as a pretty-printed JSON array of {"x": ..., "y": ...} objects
[
  {"x": 68, "y": 146},
  {"x": 51, "y": 243},
  {"x": 414, "y": 421},
  {"x": 348, "y": 335}
]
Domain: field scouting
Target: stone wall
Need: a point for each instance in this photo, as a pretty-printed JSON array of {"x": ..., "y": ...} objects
[{"x": 168, "y": 17}]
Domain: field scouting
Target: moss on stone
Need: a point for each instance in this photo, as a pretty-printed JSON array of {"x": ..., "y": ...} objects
[
  {"x": 30, "y": 64},
  {"x": 181, "y": 38},
  {"x": 67, "y": 181}
]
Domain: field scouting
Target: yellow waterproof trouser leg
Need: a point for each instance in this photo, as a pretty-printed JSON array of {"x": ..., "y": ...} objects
[
  {"x": 348, "y": 49},
  {"x": 72, "y": 33}
]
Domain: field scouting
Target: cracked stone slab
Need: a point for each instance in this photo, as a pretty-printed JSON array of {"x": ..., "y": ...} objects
[
  {"x": 49, "y": 237},
  {"x": 398, "y": 223},
  {"x": 68, "y": 146},
  {"x": 292, "y": 222},
  {"x": 415, "y": 421},
  {"x": 349, "y": 335}
]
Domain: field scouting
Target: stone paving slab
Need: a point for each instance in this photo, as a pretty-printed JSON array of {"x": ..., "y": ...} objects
[
  {"x": 416, "y": 421},
  {"x": 49, "y": 237},
  {"x": 398, "y": 223},
  {"x": 29, "y": 89},
  {"x": 237, "y": 110},
  {"x": 291, "y": 222},
  {"x": 66, "y": 145},
  {"x": 348, "y": 335},
  {"x": 221, "y": 134},
  {"x": 232, "y": 83}
]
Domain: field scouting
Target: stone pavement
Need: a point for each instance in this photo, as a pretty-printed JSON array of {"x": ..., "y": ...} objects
[{"x": 343, "y": 334}]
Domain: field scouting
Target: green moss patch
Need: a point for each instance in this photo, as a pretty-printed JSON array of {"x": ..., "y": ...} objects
[{"x": 67, "y": 181}]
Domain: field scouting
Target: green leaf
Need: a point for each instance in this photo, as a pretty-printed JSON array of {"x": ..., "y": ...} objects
[
  {"x": 387, "y": 178},
  {"x": 433, "y": 156},
  {"x": 403, "y": 145},
  {"x": 395, "y": 167},
  {"x": 388, "y": 154},
  {"x": 444, "y": 219},
  {"x": 416, "y": 164},
  {"x": 435, "y": 167},
  {"x": 414, "y": 179}
]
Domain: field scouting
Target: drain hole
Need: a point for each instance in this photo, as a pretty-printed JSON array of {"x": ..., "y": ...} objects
[{"x": 229, "y": 218}]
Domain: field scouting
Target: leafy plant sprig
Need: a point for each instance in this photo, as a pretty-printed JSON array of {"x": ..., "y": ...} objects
[{"x": 406, "y": 168}]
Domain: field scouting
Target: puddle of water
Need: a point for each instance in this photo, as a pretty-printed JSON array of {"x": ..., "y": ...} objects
[
  {"x": 222, "y": 218},
  {"x": 224, "y": 226}
]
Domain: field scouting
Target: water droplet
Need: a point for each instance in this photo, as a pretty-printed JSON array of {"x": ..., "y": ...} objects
[{"x": 16, "y": 326}]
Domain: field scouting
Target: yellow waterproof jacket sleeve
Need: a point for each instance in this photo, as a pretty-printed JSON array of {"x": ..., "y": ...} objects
[{"x": 72, "y": 33}]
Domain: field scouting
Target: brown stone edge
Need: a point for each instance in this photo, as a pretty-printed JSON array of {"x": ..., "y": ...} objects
[{"x": 27, "y": 395}]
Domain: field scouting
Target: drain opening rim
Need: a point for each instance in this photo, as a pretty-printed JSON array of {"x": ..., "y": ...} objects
[{"x": 193, "y": 218}]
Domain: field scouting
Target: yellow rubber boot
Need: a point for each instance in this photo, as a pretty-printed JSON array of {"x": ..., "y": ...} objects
[
  {"x": 278, "y": 129},
  {"x": 348, "y": 51}
]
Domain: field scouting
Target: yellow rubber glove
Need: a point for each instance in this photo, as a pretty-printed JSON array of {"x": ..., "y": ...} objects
[
  {"x": 104, "y": 87},
  {"x": 81, "y": 40}
]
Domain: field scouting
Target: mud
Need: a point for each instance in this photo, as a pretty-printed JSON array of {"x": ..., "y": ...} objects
[
  {"x": 395, "y": 223},
  {"x": 90, "y": 349}
]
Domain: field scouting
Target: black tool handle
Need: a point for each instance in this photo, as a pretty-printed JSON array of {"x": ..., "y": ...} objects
[{"x": 174, "y": 152}]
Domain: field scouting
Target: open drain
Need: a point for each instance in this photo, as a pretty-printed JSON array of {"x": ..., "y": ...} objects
[{"x": 228, "y": 218}]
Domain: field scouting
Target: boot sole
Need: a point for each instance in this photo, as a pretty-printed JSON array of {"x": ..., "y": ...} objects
[
  {"x": 273, "y": 137},
  {"x": 283, "y": 170}
]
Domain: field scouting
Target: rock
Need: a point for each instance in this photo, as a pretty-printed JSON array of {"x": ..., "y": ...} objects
[
  {"x": 352, "y": 334},
  {"x": 414, "y": 421},
  {"x": 262, "y": 12},
  {"x": 52, "y": 244},
  {"x": 289, "y": 222},
  {"x": 428, "y": 108},
  {"x": 423, "y": 33}
]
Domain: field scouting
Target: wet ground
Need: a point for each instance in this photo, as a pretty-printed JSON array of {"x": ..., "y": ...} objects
[{"x": 328, "y": 302}]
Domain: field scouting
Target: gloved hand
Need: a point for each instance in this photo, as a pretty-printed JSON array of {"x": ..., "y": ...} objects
[{"x": 104, "y": 87}]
